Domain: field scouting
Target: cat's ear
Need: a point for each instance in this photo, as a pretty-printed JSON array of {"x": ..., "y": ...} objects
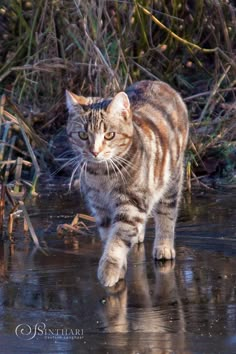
[
  {"x": 72, "y": 101},
  {"x": 120, "y": 106}
]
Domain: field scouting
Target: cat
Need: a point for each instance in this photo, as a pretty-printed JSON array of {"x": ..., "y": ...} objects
[{"x": 129, "y": 156}]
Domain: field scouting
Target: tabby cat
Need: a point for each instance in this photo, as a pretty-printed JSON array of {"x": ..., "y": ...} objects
[{"x": 129, "y": 153}]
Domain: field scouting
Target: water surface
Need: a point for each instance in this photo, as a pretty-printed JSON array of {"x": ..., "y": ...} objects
[{"x": 53, "y": 303}]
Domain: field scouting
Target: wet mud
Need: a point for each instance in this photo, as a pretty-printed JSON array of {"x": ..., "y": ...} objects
[{"x": 53, "y": 302}]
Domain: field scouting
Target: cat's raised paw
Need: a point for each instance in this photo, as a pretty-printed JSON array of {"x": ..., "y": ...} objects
[
  {"x": 109, "y": 272},
  {"x": 163, "y": 253}
]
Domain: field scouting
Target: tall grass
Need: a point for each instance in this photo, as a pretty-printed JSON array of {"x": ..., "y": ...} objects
[{"x": 98, "y": 47}]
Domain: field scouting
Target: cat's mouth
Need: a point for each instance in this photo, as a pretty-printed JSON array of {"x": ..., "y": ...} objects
[
  {"x": 96, "y": 160},
  {"x": 98, "y": 157}
]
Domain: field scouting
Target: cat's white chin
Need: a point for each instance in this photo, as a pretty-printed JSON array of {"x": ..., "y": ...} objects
[
  {"x": 99, "y": 159},
  {"x": 96, "y": 159}
]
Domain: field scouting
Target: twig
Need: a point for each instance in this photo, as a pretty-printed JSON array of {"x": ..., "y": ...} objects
[
  {"x": 207, "y": 93},
  {"x": 174, "y": 35},
  {"x": 87, "y": 217},
  {"x": 212, "y": 94},
  {"x": 201, "y": 183},
  {"x": 30, "y": 226},
  {"x": 146, "y": 71},
  {"x": 2, "y": 206},
  {"x": 184, "y": 41}
]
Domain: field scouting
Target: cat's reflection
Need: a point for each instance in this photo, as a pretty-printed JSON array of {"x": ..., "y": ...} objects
[
  {"x": 114, "y": 313},
  {"x": 141, "y": 294},
  {"x": 155, "y": 307},
  {"x": 142, "y": 308}
]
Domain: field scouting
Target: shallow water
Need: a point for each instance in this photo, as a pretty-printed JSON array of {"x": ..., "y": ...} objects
[{"x": 53, "y": 303}]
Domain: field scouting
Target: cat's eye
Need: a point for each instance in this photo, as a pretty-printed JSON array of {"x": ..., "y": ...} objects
[
  {"x": 109, "y": 136},
  {"x": 83, "y": 135}
]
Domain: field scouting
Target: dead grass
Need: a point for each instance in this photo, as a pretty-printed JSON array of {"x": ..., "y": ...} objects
[
  {"x": 19, "y": 167},
  {"x": 98, "y": 47}
]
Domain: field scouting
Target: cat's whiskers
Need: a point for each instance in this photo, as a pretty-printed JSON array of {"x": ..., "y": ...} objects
[
  {"x": 74, "y": 172},
  {"x": 82, "y": 170},
  {"x": 85, "y": 169},
  {"x": 111, "y": 162},
  {"x": 71, "y": 161},
  {"x": 64, "y": 153},
  {"x": 125, "y": 161},
  {"x": 118, "y": 170},
  {"x": 107, "y": 167},
  {"x": 122, "y": 164}
]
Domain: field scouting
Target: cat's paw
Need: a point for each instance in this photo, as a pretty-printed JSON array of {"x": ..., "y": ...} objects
[
  {"x": 163, "y": 253},
  {"x": 110, "y": 272}
]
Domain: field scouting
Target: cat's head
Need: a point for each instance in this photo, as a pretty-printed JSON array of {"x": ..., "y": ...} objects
[{"x": 99, "y": 133}]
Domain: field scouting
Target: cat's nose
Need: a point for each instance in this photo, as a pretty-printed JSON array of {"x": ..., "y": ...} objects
[{"x": 95, "y": 153}]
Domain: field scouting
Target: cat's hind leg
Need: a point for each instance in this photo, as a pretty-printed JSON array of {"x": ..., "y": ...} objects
[{"x": 165, "y": 214}]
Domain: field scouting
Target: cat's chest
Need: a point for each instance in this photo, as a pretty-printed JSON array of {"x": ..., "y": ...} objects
[{"x": 98, "y": 189}]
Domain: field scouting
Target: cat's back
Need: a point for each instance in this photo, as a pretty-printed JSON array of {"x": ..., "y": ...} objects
[{"x": 156, "y": 102}]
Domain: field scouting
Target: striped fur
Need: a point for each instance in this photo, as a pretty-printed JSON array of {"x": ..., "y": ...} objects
[{"x": 129, "y": 159}]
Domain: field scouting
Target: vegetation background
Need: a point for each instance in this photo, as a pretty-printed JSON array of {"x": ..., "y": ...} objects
[{"x": 96, "y": 47}]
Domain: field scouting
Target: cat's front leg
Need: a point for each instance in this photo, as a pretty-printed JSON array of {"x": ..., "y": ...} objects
[
  {"x": 113, "y": 263},
  {"x": 124, "y": 234}
]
